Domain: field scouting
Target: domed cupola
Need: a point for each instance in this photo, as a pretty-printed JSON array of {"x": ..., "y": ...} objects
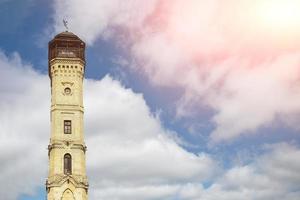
[{"x": 66, "y": 45}]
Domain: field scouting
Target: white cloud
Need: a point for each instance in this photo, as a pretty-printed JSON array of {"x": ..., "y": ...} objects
[
  {"x": 24, "y": 127},
  {"x": 257, "y": 180},
  {"x": 270, "y": 176},
  {"x": 127, "y": 146},
  {"x": 221, "y": 54},
  {"x": 94, "y": 18},
  {"x": 281, "y": 165},
  {"x": 130, "y": 155}
]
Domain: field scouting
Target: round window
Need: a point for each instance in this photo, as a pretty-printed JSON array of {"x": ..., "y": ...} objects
[{"x": 67, "y": 90}]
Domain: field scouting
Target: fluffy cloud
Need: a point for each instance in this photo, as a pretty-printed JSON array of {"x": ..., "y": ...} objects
[
  {"x": 89, "y": 20},
  {"x": 127, "y": 145},
  {"x": 229, "y": 56},
  {"x": 270, "y": 176},
  {"x": 24, "y": 127},
  {"x": 130, "y": 155},
  {"x": 129, "y": 151}
]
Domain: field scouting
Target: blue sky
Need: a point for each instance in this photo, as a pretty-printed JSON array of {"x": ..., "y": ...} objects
[{"x": 217, "y": 103}]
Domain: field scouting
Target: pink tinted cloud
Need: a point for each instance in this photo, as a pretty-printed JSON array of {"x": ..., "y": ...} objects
[
  {"x": 225, "y": 57},
  {"x": 228, "y": 55}
]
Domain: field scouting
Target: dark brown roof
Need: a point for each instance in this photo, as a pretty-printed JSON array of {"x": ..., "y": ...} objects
[{"x": 66, "y": 42}]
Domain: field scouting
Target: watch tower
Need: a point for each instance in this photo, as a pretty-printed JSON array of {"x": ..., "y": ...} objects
[{"x": 67, "y": 178}]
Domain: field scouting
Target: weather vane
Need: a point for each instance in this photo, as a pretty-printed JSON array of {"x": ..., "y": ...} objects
[{"x": 66, "y": 24}]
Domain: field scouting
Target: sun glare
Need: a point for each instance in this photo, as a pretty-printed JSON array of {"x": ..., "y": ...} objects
[{"x": 280, "y": 13}]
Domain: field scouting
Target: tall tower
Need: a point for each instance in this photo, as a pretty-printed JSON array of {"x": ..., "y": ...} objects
[{"x": 67, "y": 178}]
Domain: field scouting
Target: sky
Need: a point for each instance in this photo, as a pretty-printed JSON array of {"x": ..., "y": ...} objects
[{"x": 184, "y": 99}]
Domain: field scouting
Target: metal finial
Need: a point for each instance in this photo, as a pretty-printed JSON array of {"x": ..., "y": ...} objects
[{"x": 66, "y": 24}]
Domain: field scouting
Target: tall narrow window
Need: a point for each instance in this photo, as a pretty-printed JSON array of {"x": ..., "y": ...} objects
[
  {"x": 67, "y": 127},
  {"x": 67, "y": 164}
]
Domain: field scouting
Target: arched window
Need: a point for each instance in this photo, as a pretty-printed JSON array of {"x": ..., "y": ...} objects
[{"x": 67, "y": 164}]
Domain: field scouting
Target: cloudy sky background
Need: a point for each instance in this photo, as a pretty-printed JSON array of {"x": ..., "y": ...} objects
[{"x": 186, "y": 100}]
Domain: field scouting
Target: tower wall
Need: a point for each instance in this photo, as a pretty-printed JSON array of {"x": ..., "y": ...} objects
[{"x": 67, "y": 178}]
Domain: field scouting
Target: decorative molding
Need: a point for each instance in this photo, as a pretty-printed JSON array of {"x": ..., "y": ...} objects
[
  {"x": 67, "y": 107},
  {"x": 67, "y": 83},
  {"x": 67, "y": 61},
  {"x": 67, "y": 144},
  {"x": 55, "y": 145},
  {"x": 58, "y": 180},
  {"x": 79, "y": 146}
]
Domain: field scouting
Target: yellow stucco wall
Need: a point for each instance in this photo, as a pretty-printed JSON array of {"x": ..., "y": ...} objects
[{"x": 67, "y": 73}]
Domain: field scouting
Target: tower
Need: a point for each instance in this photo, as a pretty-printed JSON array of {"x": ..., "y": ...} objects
[{"x": 67, "y": 178}]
